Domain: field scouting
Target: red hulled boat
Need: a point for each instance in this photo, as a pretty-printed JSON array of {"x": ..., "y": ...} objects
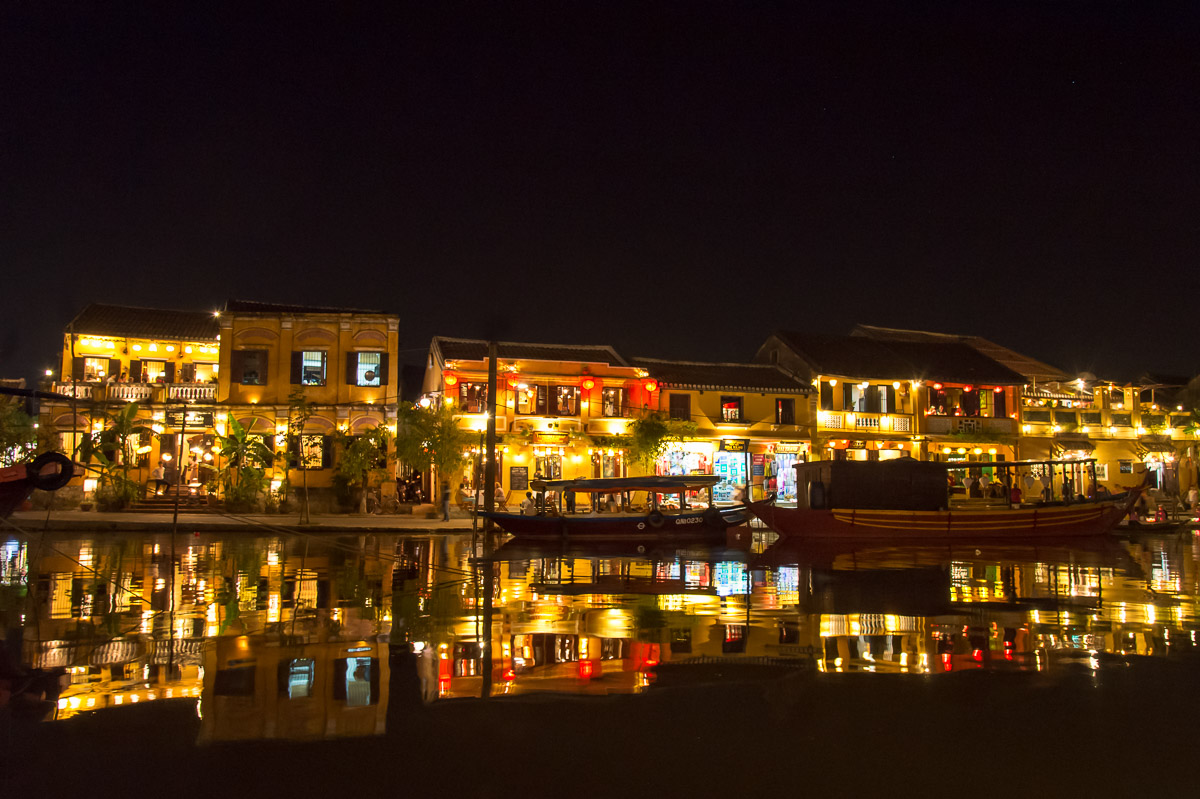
[{"x": 906, "y": 498}]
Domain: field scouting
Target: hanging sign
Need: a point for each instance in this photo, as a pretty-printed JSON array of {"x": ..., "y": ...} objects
[
  {"x": 735, "y": 444},
  {"x": 758, "y": 460},
  {"x": 551, "y": 439},
  {"x": 789, "y": 447},
  {"x": 195, "y": 419}
]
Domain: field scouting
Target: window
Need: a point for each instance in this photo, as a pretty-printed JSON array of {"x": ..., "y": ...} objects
[
  {"x": 531, "y": 400},
  {"x": 95, "y": 368},
  {"x": 472, "y": 397},
  {"x": 566, "y": 401},
  {"x": 731, "y": 409},
  {"x": 312, "y": 368},
  {"x": 356, "y": 681},
  {"x": 1125, "y": 467},
  {"x": 785, "y": 410},
  {"x": 153, "y": 370},
  {"x": 296, "y": 678},
  {"x": 235, "y": 682},
  {"x": 249, "y": 367},
  {"x": 367, "y": 370},
  {"x": 680, "y": 406},
  {"x": 612, "y": 402},
  {"x": 309, "y": 451}
]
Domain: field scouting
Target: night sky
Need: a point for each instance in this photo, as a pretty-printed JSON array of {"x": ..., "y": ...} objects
[{"x": 673, "y": 179}]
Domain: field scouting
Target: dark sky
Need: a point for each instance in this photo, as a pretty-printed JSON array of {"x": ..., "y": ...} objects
[{"x": 674, "y": 179}]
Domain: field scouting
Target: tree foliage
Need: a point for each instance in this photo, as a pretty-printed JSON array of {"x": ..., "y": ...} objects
[
  {"x": 362, "y": 457},
  {"x": 650, "y": 435},
  {"x": 244, "y": 461},
  {"x": 431, "y": 437},
  {"x": 18, "y": 436},
  {"x": 113, "y": 451}
]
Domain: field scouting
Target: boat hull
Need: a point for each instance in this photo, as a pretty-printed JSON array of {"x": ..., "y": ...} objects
[
  {"x": 1087, "y": 518},
  {"x": 707, "y": 524}
]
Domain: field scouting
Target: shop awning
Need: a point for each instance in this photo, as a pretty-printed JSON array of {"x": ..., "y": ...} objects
[
  {"x": 1149, "y": 444},
  {"x": 1074, "y": 443},
  {"x": 1055, "y": 392}
]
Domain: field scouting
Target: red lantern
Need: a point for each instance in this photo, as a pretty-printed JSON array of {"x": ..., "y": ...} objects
[
  {"x": 513, "y": 382},
  {"x": 588, "y": 384},
  {"x": 651, "y": 385},
  {"x": 937, "y": 386},
  {"x": 968, "y": 388},
  {"x": 999, "y": 389},
  {"x": 450, "y": 380}
]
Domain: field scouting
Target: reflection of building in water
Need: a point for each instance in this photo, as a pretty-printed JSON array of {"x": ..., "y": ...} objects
[{"x": 255, "y": 687}]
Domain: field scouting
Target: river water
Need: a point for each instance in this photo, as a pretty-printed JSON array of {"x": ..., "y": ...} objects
[{"x": 283, "y": 634}]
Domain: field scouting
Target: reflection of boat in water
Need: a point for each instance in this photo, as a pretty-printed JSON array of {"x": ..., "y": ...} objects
[
  {"x": 906, "y": 498},
  {"x": 613, "y": 514},
  {"x": 1140, "y": 527},
  {"x": 49, "y": 471}
]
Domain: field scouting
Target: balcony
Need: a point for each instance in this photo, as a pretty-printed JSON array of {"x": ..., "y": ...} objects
[
  {"x": 865, "y": 422},
  {"x": 77, "y": 390},
  {"x": 192, "y": 392},
  {"x": 128, "y": 392},
  {"x": 946, "y": 425}
]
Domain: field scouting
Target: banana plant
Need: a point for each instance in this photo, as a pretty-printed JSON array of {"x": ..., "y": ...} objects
[
  {"x": 112, "y": 449},
  {"x": 245, "y": 458}
]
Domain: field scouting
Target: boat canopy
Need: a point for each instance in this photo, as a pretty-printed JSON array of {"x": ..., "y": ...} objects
[{"x": 616, "y": 485}]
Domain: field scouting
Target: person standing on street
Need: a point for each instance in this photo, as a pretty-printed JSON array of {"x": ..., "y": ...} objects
[{"x": 445, "y": 500}]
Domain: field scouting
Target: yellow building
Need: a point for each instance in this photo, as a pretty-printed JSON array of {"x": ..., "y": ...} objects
[
  {"x": 341, "y": 359},
  {"x": 557, "y": 406},
  {"x": 753, "y": 424},
  {"x": 113, "y": 355}
]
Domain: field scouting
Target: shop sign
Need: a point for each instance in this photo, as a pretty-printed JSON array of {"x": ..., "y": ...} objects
[
  {"x": 757, "y": 470},
  {"x": 551, "y": 439},
  {"x": 857, "y": 445},
  {"x": 195, "y": 419},
  {"x": 735, "y": 444},
  {"x": 518, "y": 478},
  {"x": 788, "y": 447},
  {"x": 758, "y": 459}
]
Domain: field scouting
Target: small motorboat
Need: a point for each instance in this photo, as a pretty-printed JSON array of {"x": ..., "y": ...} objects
[{"x": 669, "y": 508}]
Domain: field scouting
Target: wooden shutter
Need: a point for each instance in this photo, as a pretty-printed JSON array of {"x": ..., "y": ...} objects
[
  {"x": 114, "y": 367},
  {"x": 326, "y": 452},
  {"x": 872, "y": 399},
  {"x": 297, "y": 367},
  {"x": 541, "y": 401},
  {"x": 848, "y": 397},
  {"x": 188, "y": 371},
  {"x": 237, "y": 366},
  {"x": 891, "y": 399},
  {"x": 352, "y": 368},
  {"x": 1000, "y": 404},
  {"x": 77, "y": 368},
  {"x": 826, "y": 396},
  {"x": 170, "y": 371},
  {"x": 383, "y": 368},
  {"x": 135, "y": 371}
]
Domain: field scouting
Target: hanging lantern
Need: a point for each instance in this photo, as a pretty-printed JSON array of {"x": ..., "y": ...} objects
[
  {"x": 650, "y": 385},
  {"x": 937, "y": 386},
  {"x": 998, "y": 389},
  {"x": 588, "y": 383},
  {"x": 450, "y": 379},
  {"x": 513, "y": 382},
  {"x": 968, "y": 388}
]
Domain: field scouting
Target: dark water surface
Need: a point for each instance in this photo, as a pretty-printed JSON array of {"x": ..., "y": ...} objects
[{"x": 693, "y": 667}]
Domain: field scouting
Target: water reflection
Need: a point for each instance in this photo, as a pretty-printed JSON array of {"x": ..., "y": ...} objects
[{"x": 291, "y": 635}]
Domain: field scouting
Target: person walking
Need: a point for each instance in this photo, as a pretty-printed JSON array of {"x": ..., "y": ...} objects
[{"x": 445, "y": 500}]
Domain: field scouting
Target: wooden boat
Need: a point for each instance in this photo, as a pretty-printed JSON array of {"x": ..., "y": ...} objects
[
  {"x": 906, "y": 498},
  {"x": 624, "y": 519},
  {"x": 49, "y": 471}
]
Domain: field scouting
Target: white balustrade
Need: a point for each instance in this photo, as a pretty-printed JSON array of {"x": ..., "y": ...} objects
[{"x": 192, "y": 391}]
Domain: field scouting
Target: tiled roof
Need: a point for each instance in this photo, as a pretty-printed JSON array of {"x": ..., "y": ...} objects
[
  {"x": 743, "y": 376},
  {"x": 860, "y": 356},
  {"x": 462, "y": 349},
  {"x": 248, "y": 306},
  {"x": 1032, "y": 369},
  {"x": 129, "y": 322}
]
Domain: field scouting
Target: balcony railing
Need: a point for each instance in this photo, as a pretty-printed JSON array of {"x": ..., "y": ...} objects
[
  {"x": 867, "y": 422},
  {"x": 77, "y": 390},
  {"x": 935, "y": 425},
  {"x": 192, "y": 391},
  {"x": 129, "y": 392}
]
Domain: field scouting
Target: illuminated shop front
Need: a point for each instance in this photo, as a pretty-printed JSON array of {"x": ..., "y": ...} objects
[
  {"x": 866, "y": 450},
  {"x": 686, "y": 457},
  {"x": 779, "y": 474},
  {"x": 731, "y": 462}
]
